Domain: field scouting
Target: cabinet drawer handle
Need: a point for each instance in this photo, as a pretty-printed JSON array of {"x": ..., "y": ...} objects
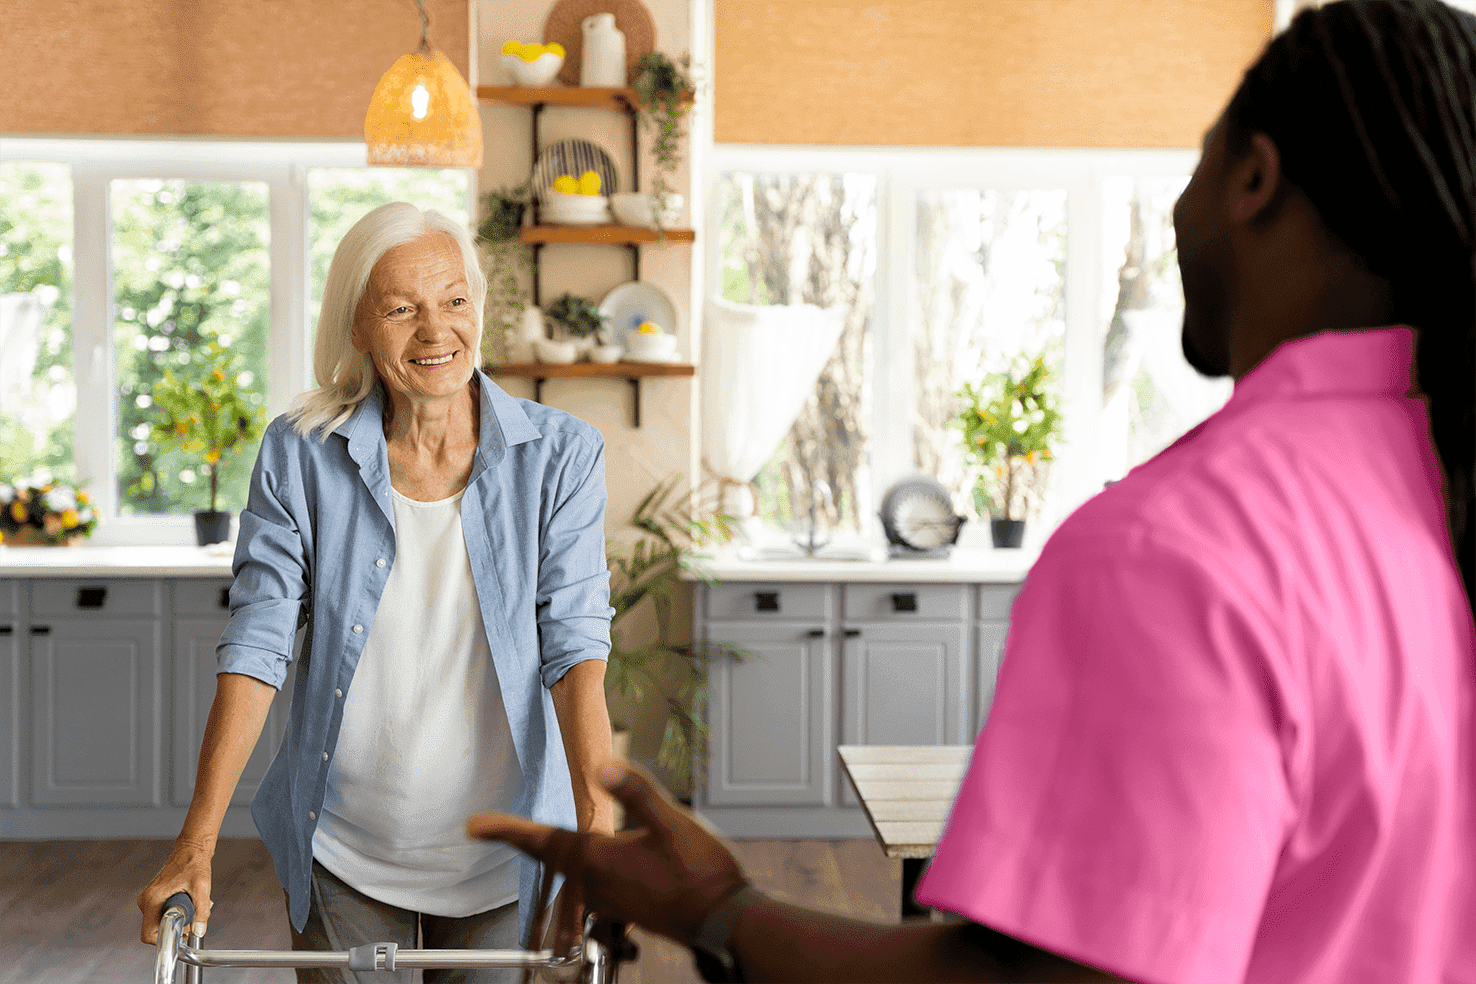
[
  {"x": 40, "y": 630},
  {"x": 766, "y": 601},
  {"x": 817, "y": 633},
  {"x": 92, "y": 597},
  {"x": 225, "y": 597},
  {"x": 904, "y": 602},
  {"x": 7, "y": 630},
  {"x": 852, "y": 633}
]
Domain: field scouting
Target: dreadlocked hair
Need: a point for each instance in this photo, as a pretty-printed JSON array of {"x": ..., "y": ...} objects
[{"x": 1372, "y": 107}]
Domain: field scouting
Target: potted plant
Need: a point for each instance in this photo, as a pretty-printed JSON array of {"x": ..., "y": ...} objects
[
  {"x": 37, "y": 513},
  {"x": 212, "y": 415},
  {"x": 673, "y": 534},
  {"x": 664, "y": 88},
  {"x": 507, "y": 258},
  {"x": 1007, "y": 426},
  {"x": 579, "y": 319}
]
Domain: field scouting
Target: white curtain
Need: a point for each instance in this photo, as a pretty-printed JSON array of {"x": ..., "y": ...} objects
[
  {"x": 759, "y": 365},
  {"x": 21, "y": 316}
]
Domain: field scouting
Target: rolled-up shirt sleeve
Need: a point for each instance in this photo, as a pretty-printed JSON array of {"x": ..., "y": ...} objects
[
  {"x": 271, "y": 567},
  {"x": 573, "y": 600}
]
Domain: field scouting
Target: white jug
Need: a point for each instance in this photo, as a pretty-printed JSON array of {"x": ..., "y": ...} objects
[{"x": 603, "y": 63}]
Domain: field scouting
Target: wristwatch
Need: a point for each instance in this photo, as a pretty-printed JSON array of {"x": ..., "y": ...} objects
[{"x": 712, "y": 949}]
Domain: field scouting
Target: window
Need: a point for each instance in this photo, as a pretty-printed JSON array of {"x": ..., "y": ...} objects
[
  {"x": 977, "y": 258},
  {"x": 125, "y": 259}
]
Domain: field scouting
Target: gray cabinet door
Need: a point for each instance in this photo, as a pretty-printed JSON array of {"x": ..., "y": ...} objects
[
  {"x": 10, "y": 710},
  {"x": 96, "y": 708},
  {"x": 194, "y": 692},
  {"x": 903, "y": 684},
  {"x": 989, "y": 643},
  {"x": 772, "y": 739}
]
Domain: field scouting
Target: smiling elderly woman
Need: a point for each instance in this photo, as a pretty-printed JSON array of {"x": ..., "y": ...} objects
[{"x": 443, "y": 543}]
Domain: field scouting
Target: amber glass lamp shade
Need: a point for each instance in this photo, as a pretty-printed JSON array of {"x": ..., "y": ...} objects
[{"x": 422, "y": 114}]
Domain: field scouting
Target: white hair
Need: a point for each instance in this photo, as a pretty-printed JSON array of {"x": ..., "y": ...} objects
[{"x": 346, "y": 376}]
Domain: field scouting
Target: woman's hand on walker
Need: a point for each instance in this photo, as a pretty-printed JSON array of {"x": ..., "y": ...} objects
[
  {"x": 186, "y": 870},
  {"x": 664, "y": 872}
]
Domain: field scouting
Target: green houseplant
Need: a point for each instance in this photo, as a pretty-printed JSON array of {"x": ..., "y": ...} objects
[
  {"x": 213, "y": 415},
  {"x": 664, "y": 88},
  {"x": 577, "y": 316},
  {"x": 673, "y": 534},
  {"x": 507, "y": 260},
  {"x": 1007, "y": 425}
]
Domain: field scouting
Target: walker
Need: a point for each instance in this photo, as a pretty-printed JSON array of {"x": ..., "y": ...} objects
[{"x": 597, "y": 960}]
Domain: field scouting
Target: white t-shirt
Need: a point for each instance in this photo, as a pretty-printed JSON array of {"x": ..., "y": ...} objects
[{"x": 425, "y": 741}]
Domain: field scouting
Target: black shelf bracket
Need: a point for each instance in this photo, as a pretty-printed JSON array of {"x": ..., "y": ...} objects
[{"x": 635, "y": 395}]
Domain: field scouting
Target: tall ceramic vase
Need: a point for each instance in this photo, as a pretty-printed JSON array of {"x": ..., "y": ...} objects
[{"x": 603, "y": 62}]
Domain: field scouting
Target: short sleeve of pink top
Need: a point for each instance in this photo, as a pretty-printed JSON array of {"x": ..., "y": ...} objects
[{"x": 1230, "y": 737}]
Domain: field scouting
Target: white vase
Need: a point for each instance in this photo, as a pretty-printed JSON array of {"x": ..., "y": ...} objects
[
  {"x": 603, "y": 62},
  {"x": 530, "y": 330}
]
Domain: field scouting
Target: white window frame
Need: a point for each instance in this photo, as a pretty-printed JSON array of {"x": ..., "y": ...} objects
[
  {"x": 901, "y": 175},
  {"x": 283, "y": 166}
]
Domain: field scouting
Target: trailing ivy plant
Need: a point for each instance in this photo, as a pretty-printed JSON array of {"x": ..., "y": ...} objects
[
  {"x": 509, "y": 262},
  {"x": 673, "y": 535},
  {"x": 665, "y": 90}
]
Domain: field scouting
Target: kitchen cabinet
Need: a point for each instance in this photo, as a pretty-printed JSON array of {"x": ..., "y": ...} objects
[
  {"x": 105, "y": 687},
  {"x": 855, "y": 663}
]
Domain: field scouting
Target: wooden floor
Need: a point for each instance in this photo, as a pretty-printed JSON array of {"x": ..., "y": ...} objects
[{"x": 68, "y": 915}]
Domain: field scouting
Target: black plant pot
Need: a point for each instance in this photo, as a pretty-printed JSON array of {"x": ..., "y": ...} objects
[
  {"x": 212, "y": 527},
  {"x": 1007, "y": 532}
]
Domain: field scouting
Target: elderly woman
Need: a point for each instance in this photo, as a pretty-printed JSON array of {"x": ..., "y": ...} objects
[{"x": 443, "y": 543}]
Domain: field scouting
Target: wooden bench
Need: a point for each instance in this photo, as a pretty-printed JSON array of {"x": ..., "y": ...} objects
[{"x": 906, "y": 792}]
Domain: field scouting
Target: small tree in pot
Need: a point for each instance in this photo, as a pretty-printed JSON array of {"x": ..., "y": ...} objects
[
  {"x": 1007, "y": 425},
  {"x": 214, "y": 415}
]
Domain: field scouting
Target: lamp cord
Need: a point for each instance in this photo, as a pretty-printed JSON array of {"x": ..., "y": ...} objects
[{"x": 424, "y": 25}]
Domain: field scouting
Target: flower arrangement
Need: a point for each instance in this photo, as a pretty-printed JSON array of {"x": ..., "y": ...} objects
[
  {"x": 213, "y": 415},
  {"x": 1007, "y": 425},
  {"x": 50, "y": 513}
]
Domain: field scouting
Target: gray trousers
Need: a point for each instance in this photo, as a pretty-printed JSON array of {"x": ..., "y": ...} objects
[{"x": 341, "y": 918}]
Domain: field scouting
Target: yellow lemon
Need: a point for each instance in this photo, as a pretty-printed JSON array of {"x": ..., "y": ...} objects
[
  {"x": 212, "y": 456},
  {"x": 556, "y": 48},
  {"x": 589, "y": 183},
  {"x": 565, "y": 184},
  {"x": 531, "y": 52},
  {"x": 182, "y": 428},
  {"x": 649, "y": 328},
  {"x": 512, "y": 47}
]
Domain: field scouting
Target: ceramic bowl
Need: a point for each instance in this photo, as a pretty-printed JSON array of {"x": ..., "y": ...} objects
[
  {"x": 638, "y": 208},
  {"x": 606, "y": 354},
  {"x": 555, "y": 353},
  {"x": 650, "y": 348},
  {"x": 575, "y": 209},
  {"x": 539, "y": 71}
]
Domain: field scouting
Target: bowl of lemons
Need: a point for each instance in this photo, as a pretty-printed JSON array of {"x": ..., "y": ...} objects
[
  {"x": 649, "y": 343},
  {"x": 576, "y": 201},
  {"x": 532, "y": 64}
]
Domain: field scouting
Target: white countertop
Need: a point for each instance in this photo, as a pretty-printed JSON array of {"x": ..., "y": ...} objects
[
  {"x": 964, "y": 564},
  {"x": 93, "y": 561}
]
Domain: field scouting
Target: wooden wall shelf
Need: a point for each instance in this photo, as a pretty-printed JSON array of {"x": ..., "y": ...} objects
[
  {"x": 631, "y": 372},
  {"x": 609, "y": 235},
  {"x": 620, "y": 100}
]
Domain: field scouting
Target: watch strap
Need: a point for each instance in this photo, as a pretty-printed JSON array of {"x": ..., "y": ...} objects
[{"x": 714, "y": 938}]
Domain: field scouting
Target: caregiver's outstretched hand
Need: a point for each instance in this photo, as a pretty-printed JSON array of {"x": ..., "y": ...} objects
[{"x": 664, "y": 872}]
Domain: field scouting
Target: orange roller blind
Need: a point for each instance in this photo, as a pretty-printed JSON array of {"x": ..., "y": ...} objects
[
  {"x": 997, "y": 73},
  {"x": 248, "y": 68}
]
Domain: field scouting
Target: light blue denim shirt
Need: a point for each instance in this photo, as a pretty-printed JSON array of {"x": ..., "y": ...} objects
[{"x": 316, "y": 544}]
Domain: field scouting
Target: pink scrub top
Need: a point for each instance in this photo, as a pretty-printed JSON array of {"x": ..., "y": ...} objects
[{"x": 1231, "y": 737}]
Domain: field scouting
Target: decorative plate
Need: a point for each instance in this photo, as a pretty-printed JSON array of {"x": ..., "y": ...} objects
[
  {"x": 574, "y": 157},
  {"x": 917, "y": 514},
  {"x": 625, "y": 307},
  {"x": 565, "y": 24}
]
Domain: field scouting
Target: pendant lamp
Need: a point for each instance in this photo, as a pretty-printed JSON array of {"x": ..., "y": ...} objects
[{"x": 422, "y": 113}]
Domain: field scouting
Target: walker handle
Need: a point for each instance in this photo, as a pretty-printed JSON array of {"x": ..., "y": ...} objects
[{"x": 183, "y": 900}]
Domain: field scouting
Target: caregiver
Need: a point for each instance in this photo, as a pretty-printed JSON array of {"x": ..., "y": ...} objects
[{"x": 444, "y": 544}]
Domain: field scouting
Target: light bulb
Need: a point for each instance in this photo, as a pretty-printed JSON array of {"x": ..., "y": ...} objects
[{"x": 419, "y": 101}]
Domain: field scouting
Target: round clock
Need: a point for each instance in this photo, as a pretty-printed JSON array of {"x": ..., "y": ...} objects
[{"x": 917, "y": 515}]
